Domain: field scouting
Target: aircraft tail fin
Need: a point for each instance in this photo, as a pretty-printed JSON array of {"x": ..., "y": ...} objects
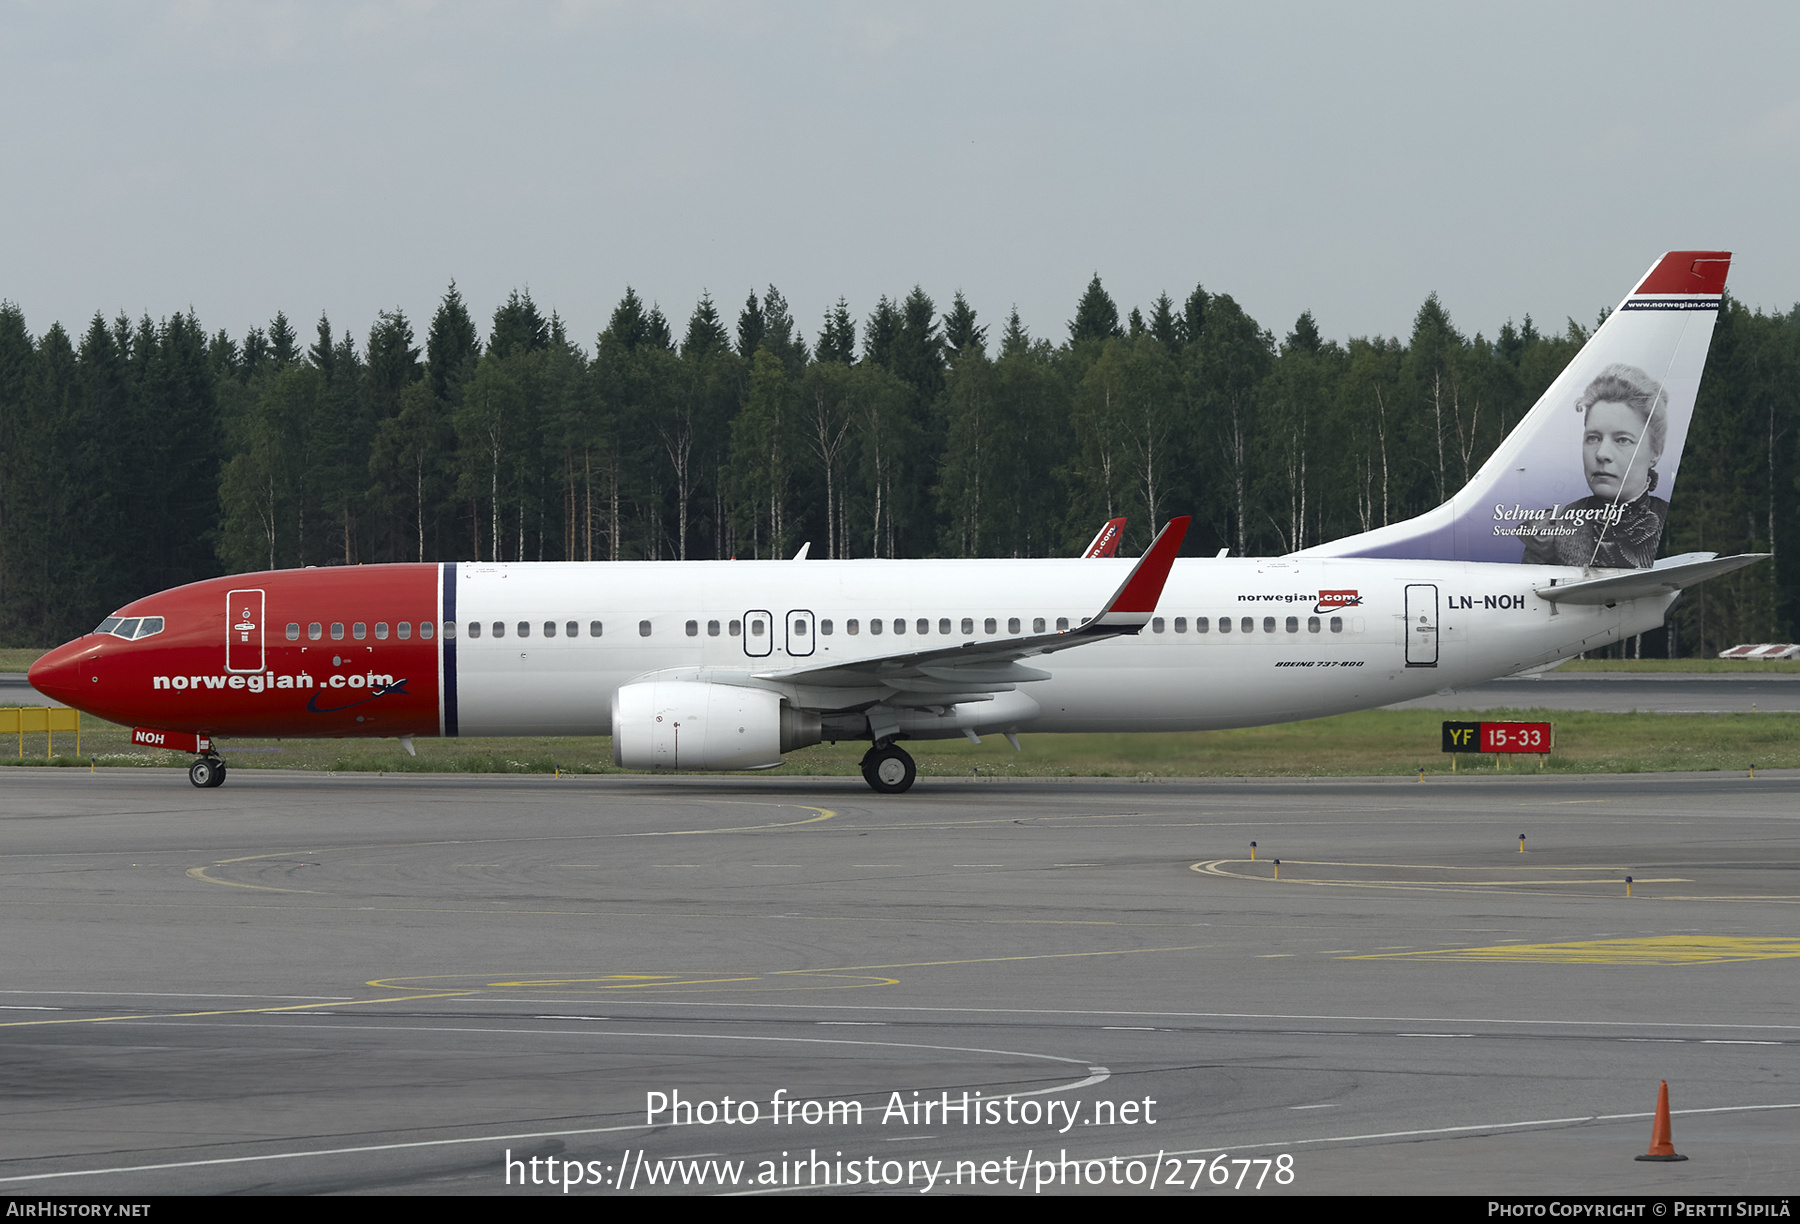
[{"x": 1585, "y": 479}]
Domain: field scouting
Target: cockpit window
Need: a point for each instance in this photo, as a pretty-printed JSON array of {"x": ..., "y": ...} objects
[{"x": 130, "y": 627}]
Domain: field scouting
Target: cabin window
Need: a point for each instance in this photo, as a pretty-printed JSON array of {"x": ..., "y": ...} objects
[
  {"x": 852, "y": 627},
  {"x": 403, "y": 630},
  {"x": 990, "y": 626},
  {"x": 337, "y": 631},
  {"x": 944, "y": 625},
  {"x": 1156, "y": 624},
  {"x": 1012, "y": 624},
  {"x": 1062, "y": 624},
  {"x": 799, "y": 626},
  {"x": 1202, "y": 624},
  {"x": 1224, "y": 624},
  {"x": 712, "y": 628},
  {"x": 474, "y": 629},
  {"x": 1268, "y": 624},
  {"x": 293, "y": 633},
  {"x": 644, "y": 628},
  {"x": 359, "y": 631},
  {"x": 1293, "y": 624},
  {"x": 924, "y": 626},
  {"x": 693, "y": 628},
  {"x": 1181, "y": 624},
  {"x": 1248, "y": 624},
  {"x": 899, "y": 624},
  {"x": 1312, "y": 624},
  {"x": 1337, "y": 624},
  {"x": 968, "y": 625},
  {"x": 499, "y": 629},
  {"x": 314, "y": 632},
  {"x": 594, "y": 628},
  {"x": 425, "y": 630},
  {"x": 734, "y": 628},
  {"x": 825, "y": 628},
  {"x": 875, "y": 626},
  {"x": 381, "y": 631},
  {"x": 756, "y": 627},
  {"x": 524, "y": 629},
  {"x": 572, "y": 629},
  {"x": 549, "y": 628}
]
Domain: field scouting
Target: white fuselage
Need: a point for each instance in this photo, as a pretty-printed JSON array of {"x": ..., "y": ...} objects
[{"x": 1308, "y": 637}]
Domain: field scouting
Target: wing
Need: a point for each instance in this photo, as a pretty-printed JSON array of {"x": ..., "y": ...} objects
[{"x": 978, "y": 669}]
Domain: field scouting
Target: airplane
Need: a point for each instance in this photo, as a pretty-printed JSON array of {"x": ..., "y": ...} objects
[
  {"x": 728, "y": 665},
  {"x": 1106, "y": 541}
]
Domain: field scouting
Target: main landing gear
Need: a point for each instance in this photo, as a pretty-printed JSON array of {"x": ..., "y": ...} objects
[
  {"x": 207, "y": 772},
  {"x": 889, "y": 769}
]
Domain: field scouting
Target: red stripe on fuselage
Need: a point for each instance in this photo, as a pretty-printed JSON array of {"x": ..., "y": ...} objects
[{"x": 178, "y": 679}]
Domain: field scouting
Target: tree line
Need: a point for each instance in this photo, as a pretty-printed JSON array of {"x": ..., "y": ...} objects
[{"x": 140, "y": 455}]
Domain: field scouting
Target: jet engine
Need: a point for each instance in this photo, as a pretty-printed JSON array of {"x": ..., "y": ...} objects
[{"x": 692, "y": 724}]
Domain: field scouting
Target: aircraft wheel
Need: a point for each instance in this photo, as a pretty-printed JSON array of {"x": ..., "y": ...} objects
[
  {"x": 889, "y": 770},
  {"x": 207, "y": 772}
]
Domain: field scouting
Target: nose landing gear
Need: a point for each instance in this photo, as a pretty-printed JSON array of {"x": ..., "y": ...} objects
[
  {"x": 888, "y": 769},
  {"x": 207, "y": 772}
]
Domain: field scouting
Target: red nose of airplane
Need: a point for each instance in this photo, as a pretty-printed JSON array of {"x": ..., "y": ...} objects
[{"x": 58, "y": 675}]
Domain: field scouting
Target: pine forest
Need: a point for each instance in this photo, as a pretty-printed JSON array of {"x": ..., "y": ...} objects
[{"x": 138, "y": 455}]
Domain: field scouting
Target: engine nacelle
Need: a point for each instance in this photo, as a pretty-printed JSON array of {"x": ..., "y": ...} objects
[{"x": 690, "y": 724}]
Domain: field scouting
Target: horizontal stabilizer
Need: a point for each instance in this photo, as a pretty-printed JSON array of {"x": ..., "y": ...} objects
[{"x": 1670, "y": 575}]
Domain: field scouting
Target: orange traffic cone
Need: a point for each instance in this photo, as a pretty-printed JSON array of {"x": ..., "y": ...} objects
[{"x": 1662, "y": 1145}]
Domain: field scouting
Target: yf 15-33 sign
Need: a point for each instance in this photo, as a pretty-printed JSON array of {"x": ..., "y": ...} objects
[{"x": 1499, "y": 736}]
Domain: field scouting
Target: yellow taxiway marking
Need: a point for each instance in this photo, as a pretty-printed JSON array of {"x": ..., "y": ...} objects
[
  {"x": 200, "y": 873},
  {"x": 237, "y": 1011},
  {"x": 1649, "y": 950},
  {"x": 663, "y": 981},
  {"x": 854, "y": 973},
  {"x": 1223, "y": 868},
  {"x": 823, "y": 814}
]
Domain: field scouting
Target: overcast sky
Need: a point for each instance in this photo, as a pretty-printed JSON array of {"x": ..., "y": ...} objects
[{"x": 240, "y": 158}]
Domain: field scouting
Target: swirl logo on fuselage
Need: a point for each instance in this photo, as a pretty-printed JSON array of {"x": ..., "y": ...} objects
[{"x": 376, "y": 691}]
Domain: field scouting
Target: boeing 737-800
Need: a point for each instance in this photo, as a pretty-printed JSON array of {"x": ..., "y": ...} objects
[{"x": 728, "y": 665}]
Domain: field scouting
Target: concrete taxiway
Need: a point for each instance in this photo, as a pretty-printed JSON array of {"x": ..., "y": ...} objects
[
  {"x": 1623, "y": 692},
  {"x": 305, "y": 983}
]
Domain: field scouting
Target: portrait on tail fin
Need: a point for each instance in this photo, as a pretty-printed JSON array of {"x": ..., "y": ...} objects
[
  {"x": 1626, "y": 426},
  {"x": 1633, "y": 387}
]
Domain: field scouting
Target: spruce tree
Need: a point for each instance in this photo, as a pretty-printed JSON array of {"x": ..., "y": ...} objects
[
  {"x": 451, "y": 347},
  {"x": 1096, "y": 317},
  {"x": 837, "y": 340}
]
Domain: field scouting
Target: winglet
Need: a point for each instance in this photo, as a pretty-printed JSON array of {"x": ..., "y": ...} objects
[
  {"x": 1134, "y": 601},
  {"x": 1106, "y": 542}
]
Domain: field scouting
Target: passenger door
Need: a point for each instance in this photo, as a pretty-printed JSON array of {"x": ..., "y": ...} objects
[
  {"x": 244, "y": 631},
  {"x": 1422, "y": 625}
]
